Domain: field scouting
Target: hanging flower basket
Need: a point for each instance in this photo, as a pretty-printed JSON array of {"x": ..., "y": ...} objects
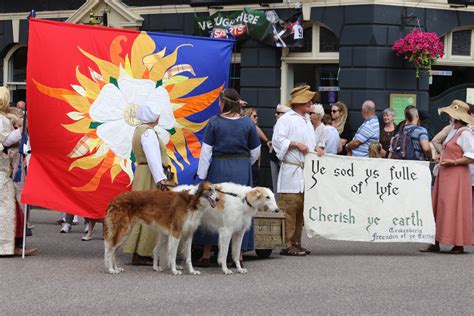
[{"x": 420, "y": 48}]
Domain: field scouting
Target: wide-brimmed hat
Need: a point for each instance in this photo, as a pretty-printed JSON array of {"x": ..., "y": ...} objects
[
  {"x": 4, "y": 99},
  {"x": 302, "y": 94},
  {"x": 458, "y": 110}
]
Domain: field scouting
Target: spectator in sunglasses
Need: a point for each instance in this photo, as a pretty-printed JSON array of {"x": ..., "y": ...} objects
[{"x": 339, "y": 114}]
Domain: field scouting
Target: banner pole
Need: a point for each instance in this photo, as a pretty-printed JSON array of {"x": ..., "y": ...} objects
[{"x": 25, "y": 221}]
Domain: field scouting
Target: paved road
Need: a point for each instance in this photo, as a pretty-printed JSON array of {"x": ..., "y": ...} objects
[{"x": 67, "y": 277}]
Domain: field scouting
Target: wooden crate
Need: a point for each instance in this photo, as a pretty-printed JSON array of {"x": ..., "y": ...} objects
[{"x": 269, "y": 230}]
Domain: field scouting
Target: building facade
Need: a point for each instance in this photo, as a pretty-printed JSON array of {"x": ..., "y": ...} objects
[{"x": 347, "y": 54}]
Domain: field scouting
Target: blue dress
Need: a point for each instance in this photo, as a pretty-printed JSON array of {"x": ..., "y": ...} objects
[{"x": 231, "y": 141}]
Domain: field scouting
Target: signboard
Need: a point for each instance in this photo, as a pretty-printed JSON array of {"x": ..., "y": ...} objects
[
  {"x": 441, "y": 73},
  {"x": 328, "y": 88},
  {"x": 364, "y": 199},
  {"x": 398, "y": 103},
  {"x": 470, "y": 95},
  {"x": 263, "y": 26}
]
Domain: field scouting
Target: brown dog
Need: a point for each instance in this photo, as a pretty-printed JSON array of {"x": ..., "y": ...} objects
[{"x": 175, "y": 215}]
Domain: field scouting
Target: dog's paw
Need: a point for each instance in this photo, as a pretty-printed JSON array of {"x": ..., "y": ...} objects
[
  {"x": 119, "y": 269},
  {"x": 158, "y": 269},
  {"x": 115, "y": 271},
  {"x": 242, "y": 270},
  {"x": 227, "y": 271},
  {"x": 194, "y": 272},
  {"x": 178, "y": 267},
  {"x": 176, "y": 272}
]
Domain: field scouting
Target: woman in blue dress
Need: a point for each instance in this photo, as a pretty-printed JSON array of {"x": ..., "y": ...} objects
[{"x": 230, "y": 146}]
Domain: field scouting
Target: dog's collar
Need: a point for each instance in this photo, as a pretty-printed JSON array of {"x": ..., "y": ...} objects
[
  {"x": 244, "y": 199},
  {"x": 247, "y": 201},
  {"x": 228, "y": 193}
]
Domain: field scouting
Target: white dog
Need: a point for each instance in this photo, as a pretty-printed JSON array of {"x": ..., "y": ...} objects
[{"x": 232, "y": 216}]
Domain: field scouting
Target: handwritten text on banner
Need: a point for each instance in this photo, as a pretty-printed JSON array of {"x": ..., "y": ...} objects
[{"x": 360, "y": 199}]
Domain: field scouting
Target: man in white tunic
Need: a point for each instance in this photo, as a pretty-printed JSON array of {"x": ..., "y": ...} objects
[{"x": 293, "y": 137}]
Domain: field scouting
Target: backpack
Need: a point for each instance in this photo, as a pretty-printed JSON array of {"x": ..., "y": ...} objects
[{"x": 402, "y": 147}]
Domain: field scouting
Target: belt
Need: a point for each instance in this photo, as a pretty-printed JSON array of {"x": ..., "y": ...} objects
[
  {"x": 300, "y": 165},
  {"x": 232, "y": 156},
  {"x": 142, "y": 163}
]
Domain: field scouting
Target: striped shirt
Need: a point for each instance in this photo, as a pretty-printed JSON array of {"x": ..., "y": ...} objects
[{"x": 368, "y": 133}]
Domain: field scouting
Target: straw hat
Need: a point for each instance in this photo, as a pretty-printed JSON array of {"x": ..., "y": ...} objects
[
  {"x": 302, "y": 94},
  {"x": 458, "y": 110},
  {"x": 4, "y": 99}
]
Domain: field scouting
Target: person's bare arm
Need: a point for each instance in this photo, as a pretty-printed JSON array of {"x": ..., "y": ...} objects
[
  {"x": 425, "y": 146},
  {"x": 438, "y": 140}
]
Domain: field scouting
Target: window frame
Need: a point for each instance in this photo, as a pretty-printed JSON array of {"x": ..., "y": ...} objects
[
  {"x": 313, "y": 57},
  {"x": 456, "y": 60},
  {"x": 8, "y": 70}
]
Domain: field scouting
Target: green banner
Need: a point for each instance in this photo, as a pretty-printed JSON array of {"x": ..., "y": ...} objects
[{"x": 263, "y": 26}]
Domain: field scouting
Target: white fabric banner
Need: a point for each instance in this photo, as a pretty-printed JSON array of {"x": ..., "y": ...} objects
[{"x": 363, "y": 199}]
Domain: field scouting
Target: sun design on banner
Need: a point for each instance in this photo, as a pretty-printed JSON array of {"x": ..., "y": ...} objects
[{"x": 105, "y": 104}]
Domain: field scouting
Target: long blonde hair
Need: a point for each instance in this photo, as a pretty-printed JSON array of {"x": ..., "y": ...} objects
[
  {"x": 339, "y": 125},
  {"x": 248, "y": 111}
]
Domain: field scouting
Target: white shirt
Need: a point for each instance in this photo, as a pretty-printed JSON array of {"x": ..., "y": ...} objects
[
  {"x": 292, "y": 127},
  {"x": 465, "y": 141},
  {"x": 333, "y": 140},
  {"x": 151, "y": 147},
  {"x": 205, "y": 159},
  {"x": 320, "y": 136}
]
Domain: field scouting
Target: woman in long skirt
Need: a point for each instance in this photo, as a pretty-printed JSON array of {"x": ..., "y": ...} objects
[
  {"x": 230, "y": 146},
  {"x": 452, "y": 196}
]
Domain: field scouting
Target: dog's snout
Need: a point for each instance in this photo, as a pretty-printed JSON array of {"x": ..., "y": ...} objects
[
  {"x": 277, "y": 210},
  {"x": 217, "y": 199}
]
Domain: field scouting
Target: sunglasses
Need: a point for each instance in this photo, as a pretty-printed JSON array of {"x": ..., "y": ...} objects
[
  {"x": 280, "y": 113},
  {"x": 335, "y": 111},
  {"x": 311, "y": 113},
  {"x": 255, "y": 116}
]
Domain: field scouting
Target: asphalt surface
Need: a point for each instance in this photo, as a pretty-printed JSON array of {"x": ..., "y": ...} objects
[{"x": 67, "y": 276}]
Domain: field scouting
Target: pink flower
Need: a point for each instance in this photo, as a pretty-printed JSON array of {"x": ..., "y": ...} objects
[{"x": 421, "y": 48}]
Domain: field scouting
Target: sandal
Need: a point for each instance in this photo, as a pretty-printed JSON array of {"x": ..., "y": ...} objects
[
  {"x": 456, "y": 250},
  {"x": 293, "y": 251},
  {"x": 138, "y": 260},
  {"x": 431, "y": 248},
  {"x": 306, "y": 251}
]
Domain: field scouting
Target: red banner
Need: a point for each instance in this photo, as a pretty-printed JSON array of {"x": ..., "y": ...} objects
[{"x": 84, "y": 85}]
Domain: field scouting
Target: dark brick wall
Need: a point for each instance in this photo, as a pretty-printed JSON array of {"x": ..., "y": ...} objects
[
  {"x": 368, "y": 67},
  {"x": 260, "y": 86},
  {"x": 7, "y": 6}
]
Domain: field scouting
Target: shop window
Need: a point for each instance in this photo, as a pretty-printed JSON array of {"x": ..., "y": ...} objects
[
  {"x": 328, "y": 41},
  {"x": 317, "y": 67},
  {"x": 461, "y": 43},
  {"x": 320, "y": 77},
  {"x": 458, "y": 48},
  {"x": 18, "y": 65},
  {"x": 14, "y": 72},
  {"x": 319, "y": 41}
]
